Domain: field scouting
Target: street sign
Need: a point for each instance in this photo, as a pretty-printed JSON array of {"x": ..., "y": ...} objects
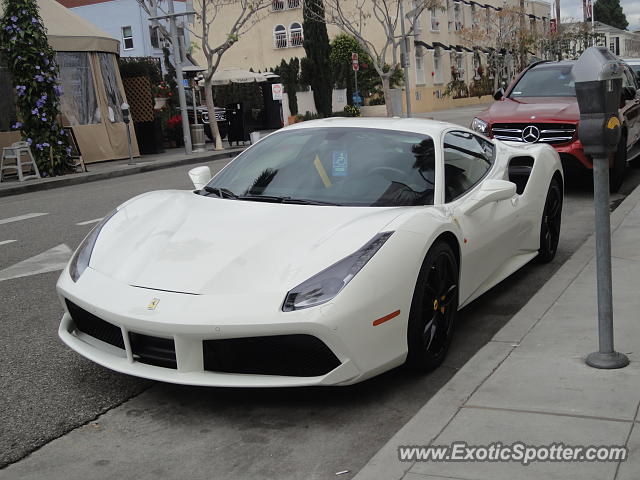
[
  {"x": 355, "y": 66},
  {"x": 354, "y": 57},
  {"x": 276, "y": 91}
]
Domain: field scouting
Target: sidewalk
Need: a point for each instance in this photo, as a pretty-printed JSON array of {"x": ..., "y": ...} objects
[
  {"x": 99, "y": 171},
  {"x": 530, "y": 382}
]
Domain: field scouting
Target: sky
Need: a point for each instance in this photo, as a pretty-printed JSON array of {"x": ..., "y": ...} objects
[{"x": 573, "y": 9}]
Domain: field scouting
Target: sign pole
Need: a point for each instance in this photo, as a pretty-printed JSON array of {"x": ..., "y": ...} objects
[{"x": 180, "y": 78}]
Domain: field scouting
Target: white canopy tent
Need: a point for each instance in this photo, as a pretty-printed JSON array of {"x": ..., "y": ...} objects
[{"x": 90, "y": 81}]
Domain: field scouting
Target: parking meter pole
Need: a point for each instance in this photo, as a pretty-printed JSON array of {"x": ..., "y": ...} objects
[
  {"x": 405, "y": 61},
  {"x": 180, "y": 78},
  {"x": 598, "y": 83},
  {"x": 606, "y": 356}
]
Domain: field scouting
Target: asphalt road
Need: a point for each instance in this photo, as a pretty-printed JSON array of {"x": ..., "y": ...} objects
[{"x": 310, "y": 433}]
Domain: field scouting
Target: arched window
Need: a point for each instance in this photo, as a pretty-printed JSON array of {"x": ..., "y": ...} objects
[
  {"x": 280, "y": 36},
  {"x": 295, "y": 35}
]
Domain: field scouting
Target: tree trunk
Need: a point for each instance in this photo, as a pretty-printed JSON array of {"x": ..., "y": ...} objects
[
  {"x": 386, "y": 89},
  {"x": 213, "y": 123}
]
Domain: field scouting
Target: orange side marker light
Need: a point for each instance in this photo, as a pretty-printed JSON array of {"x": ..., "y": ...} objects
[{"x": 386, "y": 318}]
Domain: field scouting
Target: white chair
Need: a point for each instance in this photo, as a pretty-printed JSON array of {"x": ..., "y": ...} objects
[{"x": 16, "y": 152}]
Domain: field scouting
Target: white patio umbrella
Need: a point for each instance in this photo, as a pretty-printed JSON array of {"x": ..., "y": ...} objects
[{"x": 236, "y": 75}]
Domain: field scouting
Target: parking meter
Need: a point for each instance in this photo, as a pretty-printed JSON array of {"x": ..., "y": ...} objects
[{"x": 598, "y": 81}]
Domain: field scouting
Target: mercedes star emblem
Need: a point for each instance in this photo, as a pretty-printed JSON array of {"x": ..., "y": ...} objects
[{"x": 531, "y": 134}]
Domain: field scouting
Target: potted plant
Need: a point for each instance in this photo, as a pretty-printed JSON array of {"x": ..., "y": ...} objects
[{"x": 162, "y": 93}]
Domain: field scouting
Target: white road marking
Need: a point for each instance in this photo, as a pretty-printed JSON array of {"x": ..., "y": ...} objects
[
  {"x": 21, "y": 217},
  {"x": 4, "y": 242},
  {"x": 54, "y": 259},
  {"x": 89, "y": 222}
]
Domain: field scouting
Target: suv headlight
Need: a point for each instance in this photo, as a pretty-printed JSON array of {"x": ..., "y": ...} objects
[
  {"x": 80, "y": 260},
  {"x": 480, "y": 126},
  {"x": 325, "y": 285}
]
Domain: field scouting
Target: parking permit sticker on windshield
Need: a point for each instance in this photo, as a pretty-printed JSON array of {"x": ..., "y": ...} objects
[{"x": 340, "y": 167}]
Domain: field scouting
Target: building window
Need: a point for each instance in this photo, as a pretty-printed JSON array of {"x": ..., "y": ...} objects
[
  {"x": 457, "y": 17},
  {"x": 474, "y": 17},
  {"x": 419, "y": 67},
  {"x": 435, "y": 25},
  {"x": 295, "y": 35},
  {"x": 280, "y": 37},
  {"x": 280, "y": 5},
  {"x": 127, "y": 38},
  {"x": 614, "y": 45},
  {"x": 437, "y": 66},
  {"x": 417, "y": 24},
  {"x": 154, "y": 36},
  {"x": 488, "y": 20},
  {"x": 532, "y": 24}
]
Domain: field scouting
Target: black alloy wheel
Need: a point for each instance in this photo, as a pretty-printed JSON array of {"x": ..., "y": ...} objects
[
  {"x": 433, "y": 309},
  {"x": 551, "y": 222}
]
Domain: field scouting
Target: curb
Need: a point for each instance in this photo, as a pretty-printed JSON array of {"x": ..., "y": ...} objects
[
  {"x": 65, "y": 181},
  {"x": 434, "y": 417}
]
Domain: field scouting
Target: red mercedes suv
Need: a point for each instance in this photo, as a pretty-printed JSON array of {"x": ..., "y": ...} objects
[{"x": 540, "y": 105}]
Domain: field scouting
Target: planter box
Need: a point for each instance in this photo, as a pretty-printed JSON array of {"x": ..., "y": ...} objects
[{"x": 373, "y": 111}]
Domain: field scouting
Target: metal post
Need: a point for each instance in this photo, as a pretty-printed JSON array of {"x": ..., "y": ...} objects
[
  {"x": 180, "y": 78},
  {"x": 606, "y": 357},
  {"x": 405, "y": 63},
  {"x": 355, "y": 72},
  {"x": 129, "y": 144}
]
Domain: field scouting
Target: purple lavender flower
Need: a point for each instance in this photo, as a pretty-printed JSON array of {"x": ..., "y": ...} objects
[
  {"x": 14, "y": 19},
  {"x": 45, "y": 144},
  {"x": 68, "y": 150},
  {"x": 58, "y": 90},
  {"x": 38, "y": 146},
  {"x": 37, "y": 67},
  {"x": 29, "y": 141},
  {"x": 39, "y": 78},
  {"x": 17, "y": 126},
  {"x": 34, "y": 20},
  {"x": 34, "y": 111},
  {"x": 24, "y": 12},
  {"x": 59, "y": 142},
  {"x": 21, "y": 89}
]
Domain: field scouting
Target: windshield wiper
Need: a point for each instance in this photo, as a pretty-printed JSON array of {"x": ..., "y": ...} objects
[
  {"x": 221, "y": 192},
  {"x": 282, "y": 199}
]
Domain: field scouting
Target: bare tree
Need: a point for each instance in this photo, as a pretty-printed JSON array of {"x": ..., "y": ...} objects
[
  {"x": 359, "y": 17},
  {"x": 239, "y": 17}
]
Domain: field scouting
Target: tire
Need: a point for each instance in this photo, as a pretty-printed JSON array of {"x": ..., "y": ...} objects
[
  {"x": 617, "y": 171},
  {"x": 433, "y": 309},
  {"x": 209, "y": 133},
  {"x": 551, "y": 222}
]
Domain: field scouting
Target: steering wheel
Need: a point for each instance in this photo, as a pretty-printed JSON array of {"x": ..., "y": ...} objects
[{"x": 402, "y": 173}]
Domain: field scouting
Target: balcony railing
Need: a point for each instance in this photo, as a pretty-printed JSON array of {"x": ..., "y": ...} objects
[
  {"x": 280, "y": 5},
  {"x": 280, "y": 40}
]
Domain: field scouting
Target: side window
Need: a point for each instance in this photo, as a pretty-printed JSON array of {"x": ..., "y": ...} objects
[
  {"x": 628, "y": 79},
  {"x": 467, "y": 158}
]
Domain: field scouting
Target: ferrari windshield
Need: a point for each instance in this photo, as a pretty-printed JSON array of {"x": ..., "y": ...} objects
[
  {"x": 546, "y": 81},
  {"x": 336, "y": 165}
]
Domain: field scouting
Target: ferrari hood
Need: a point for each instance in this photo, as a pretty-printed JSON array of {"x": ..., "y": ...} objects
[
  {"x": 526, "y": 110},
  {"x": 182, "y": 242}
]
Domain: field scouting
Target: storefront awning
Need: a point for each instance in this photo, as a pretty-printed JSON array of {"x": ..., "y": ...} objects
[{"x": 420, "y": 43}]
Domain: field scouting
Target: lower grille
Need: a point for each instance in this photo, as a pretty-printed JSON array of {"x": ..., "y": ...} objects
[
  {"x": 551, "y": 133},
  {"x": 157, "y": 351},
  {"x": 95, "y": 327},
  {"x": 288, "y": 355}
]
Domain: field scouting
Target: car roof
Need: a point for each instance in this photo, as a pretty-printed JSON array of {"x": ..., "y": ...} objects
[
  {"x": 433, "y": 128},
  {"x": 631, "y": 61},
  {"x": 547, "y": 63}
]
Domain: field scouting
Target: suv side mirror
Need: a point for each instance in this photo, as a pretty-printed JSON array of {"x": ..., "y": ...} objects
[
  {"x": 491, "y": 191},
  {"x": 499, "y": 94},
  {"x": 629, "y": 93},
  {"x": 200, "y": 176}
]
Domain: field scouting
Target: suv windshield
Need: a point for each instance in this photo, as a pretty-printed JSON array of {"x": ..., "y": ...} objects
[
  {"x": 546, "y": 81},
  {"x": 337, "y": 165}
]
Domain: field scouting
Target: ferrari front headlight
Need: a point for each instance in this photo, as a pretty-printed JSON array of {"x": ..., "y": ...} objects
[
  {"x": 480, "y": 126},
  {"x": 325, "y": 285},
  {"x": 80, "y": 260}
]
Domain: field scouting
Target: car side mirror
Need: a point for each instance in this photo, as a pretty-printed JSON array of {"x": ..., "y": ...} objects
[
  {"x": 499, "y": 94},
  {"x": 490, "y": 191},
  {"x": 200, "y": 176},
  {"x": 629, "y": 93}
]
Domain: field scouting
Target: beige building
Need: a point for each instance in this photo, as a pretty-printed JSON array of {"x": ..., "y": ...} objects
[{"x": 441, "y": 41}]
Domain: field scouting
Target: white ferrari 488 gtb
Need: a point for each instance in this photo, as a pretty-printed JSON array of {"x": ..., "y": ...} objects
[{"x": 328, "y": 252}]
